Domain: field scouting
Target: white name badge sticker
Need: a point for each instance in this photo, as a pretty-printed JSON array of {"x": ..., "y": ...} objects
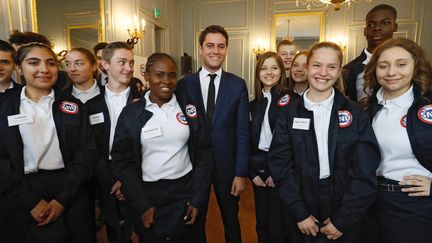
[
  {"x": 96, "y": 118},
  {"x": 19, "y": 119},
  {"x": 301, "y": 123},
  {"x": 151, "y": 132}
]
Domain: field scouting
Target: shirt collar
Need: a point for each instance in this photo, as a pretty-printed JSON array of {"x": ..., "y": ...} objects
[
  {"x": 328, "y": 103},
  {"x": 48, "y": 97},
  {"x": 266, "y": 94},
  {"x": 109, "y": 94},
  {"x": 149, "y": 103},
  {"x": 90, "y": 90},
  {"x": 368, "y": 56},
  {"x": 204, "y": 72},
  {"x": 404, "y": 100}
]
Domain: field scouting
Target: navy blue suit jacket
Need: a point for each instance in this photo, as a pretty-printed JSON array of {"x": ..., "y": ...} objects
[
  {"x": 230, "y": 124},
  {"x": 350, "y": 73}
]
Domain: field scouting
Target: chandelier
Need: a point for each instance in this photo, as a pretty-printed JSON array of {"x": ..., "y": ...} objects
[{"x": 337, "y": 4}]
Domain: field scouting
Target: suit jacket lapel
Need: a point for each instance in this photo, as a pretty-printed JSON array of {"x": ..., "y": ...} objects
[{"x": 223, "y": 89}]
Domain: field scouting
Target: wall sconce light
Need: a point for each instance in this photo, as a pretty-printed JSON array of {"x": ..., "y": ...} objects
[
  {"x": 341, "y": 42},
  {"x": 259, "y": 50},
  {"x": 137, "y": 32}
]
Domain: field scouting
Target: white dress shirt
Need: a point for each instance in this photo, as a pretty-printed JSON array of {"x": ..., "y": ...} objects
[
  {"x": 115, "y": 103},
  {"x": 164, "y": 140},
  {"x": 397, "y": 157},
  {"x": 41, "y": 144},
  {"x": 205, "y": 81},
  {"x": 266, "y": 134},
  {"x": 321, "y": 113},
  {"x": 360, "y": 78},
  {"x": 86, "y": 95}
]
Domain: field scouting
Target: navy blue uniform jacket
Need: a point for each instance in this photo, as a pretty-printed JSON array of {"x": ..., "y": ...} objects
[
  {"x": 354, "y": 157},
  {"x": 127, "y": 158},
  {"x": 350, "y": 73},
  {"x": 76, "y": 144},
  {"x": 258, "y": 159},
  {"x": 230, "y": 125},
  {"x": 418, "y": 125}
]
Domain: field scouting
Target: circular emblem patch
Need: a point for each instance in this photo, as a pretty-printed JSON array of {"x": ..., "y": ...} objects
[
  {"x": 425, "y": 114},
  {"x": 403, "y": 121},
  {"x": 345, "y": 118},
  {"x": 181, "y": 118},
  {"x": 284, "y": 100},
  {"x": 69, "y": 107},
  {"x": 191, "y": 111}
]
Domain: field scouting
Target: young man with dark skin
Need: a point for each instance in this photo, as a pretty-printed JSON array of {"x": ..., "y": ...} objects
[
  {"x": 224, "y": 98},
  {"x": 7, "y": 66},
  {"x": 380, "y": 26}
]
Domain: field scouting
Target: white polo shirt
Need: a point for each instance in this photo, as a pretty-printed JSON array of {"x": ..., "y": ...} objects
[
  {"x": 205, "y": 82},
  {"x": 397, "y": 157},
  {"x": 266, "y": 134},
  {"x": 85, "y": 95},
  {"x": 321, "y": 113},
  {"x": 164, "y": 140},
  {"x": 41, "y": 144},
  {"x": 115, "y": 103}
]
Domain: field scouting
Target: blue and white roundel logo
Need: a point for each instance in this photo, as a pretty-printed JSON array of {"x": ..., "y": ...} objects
[
  {"x": 345, "y": 118},
  {"x": 284, "y": 100},
  {"x": 181, "y": 118},
  {"x": 191, "y": 111},
  {"x": 69, "y": 107},
  {"x": 425, "y": 114}
]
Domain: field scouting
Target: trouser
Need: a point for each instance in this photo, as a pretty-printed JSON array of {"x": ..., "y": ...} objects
[
  {"x": 403, "y": 218},
  {"x": 75, "y": 225},
  {"x": 170, "y": 199},
  {"x": 274, "y": 223},
  {"x": 228, "y": 205}
]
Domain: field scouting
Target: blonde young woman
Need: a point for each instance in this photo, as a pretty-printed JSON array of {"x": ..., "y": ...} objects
[{"x": 324, "y": 155}]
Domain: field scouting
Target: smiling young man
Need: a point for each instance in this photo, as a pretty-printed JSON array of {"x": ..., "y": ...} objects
[
  {"x": 7, "y": 66},
  {"x": 287, "y": 49},
  {"x": 380, "y": 26},
  {"x": 224, "y": 98}
]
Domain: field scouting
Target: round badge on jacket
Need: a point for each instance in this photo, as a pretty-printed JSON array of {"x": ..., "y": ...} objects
[
  {"x": 425, "y": 114},
  {"x": 284, "y": 100},
  {"x": 191, "y": 111},
  {"x": 345, "y": 118},
  {"x": 403, "y": 121},
  {"x": 181, "y": 118},
  {"x": 69, "y": 107}
]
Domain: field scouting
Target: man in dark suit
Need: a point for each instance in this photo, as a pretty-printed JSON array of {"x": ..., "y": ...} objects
[
  {"x": 380, "y": 25},
  {"x": 224, "y": 97}
]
